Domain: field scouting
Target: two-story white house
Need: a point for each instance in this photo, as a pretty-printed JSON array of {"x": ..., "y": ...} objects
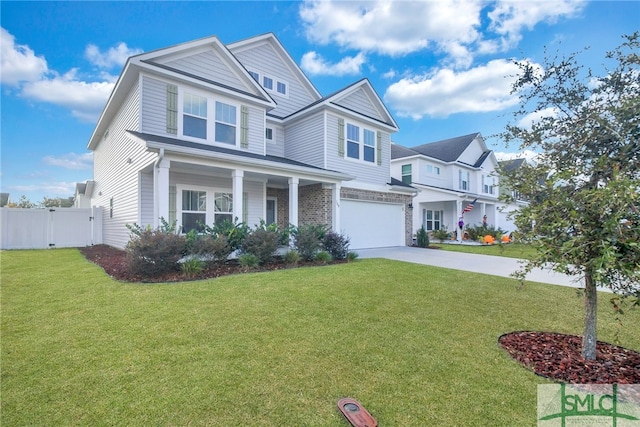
[
  {"x": 450, "y": 175},
  {"x": 203, "y": 132}
]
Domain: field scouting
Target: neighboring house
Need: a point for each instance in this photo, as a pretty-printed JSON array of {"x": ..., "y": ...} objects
[
  {"x": 82, "y": 196},
  {"x": 451, "y": 174},
  {"x": 507, "y": 166},
  {"x": 203, "y": 132}
]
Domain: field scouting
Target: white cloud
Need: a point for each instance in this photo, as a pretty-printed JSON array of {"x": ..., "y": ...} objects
[
  {"x": 526, "y": 154},
  {"x": 114, "y": 56},
  {"x": 70, "y": 161},
  {"x": 444, "y": 92},
  {"x": 509, "y": 18},
  {"x": 530, "y": 119},
  {"x": 390, "y": 27},
  {"x": 315, "y": 64},
  {"x": 84, "y": 99},
  {"x": 18, "y": 62},
  {"x": 51, "y": 189}
]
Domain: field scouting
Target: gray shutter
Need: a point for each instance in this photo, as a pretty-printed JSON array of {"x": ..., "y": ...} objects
[
  {"x": 379, "y": 147},
  {"x": 245, "y": 207},
  {"x": 172, "y": 109},
  {"x": 341, "y": 137},
  {"x": 244, "y": 127},
  {"x": 172, "y": 204}
]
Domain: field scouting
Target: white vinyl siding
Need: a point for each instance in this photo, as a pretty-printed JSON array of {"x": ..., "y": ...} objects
[
  {"x": 264, "y": 60},
  {"x": 359, "y": 101},
  {"x": 305, "y": 140},
  {"x": 115, "y": 177},
  {"x": 366, "y": 172},
  {"x": 276, "y": 146},
  {"x": 154, "y": 106},
  {"x": 208, "y": 64}
]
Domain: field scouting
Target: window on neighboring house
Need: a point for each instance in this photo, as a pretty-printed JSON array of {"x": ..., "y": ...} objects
[
  {"x": 255, "y": 76},
  {"x": 434, "y": 170},
  {"x": 223, "y": 207},
  {"x": 267, "y": 82},
  {"x": 194, "y": 118},
  {"x": 488, "y": 184},
  {"x": 432, "y": 220},
  {"x": 281, "y": 88},
  {"x": 353, "y": 141},
  {"x": 406, "y": 174},
  {"x": 194, "y": 210},
  {"x": 225, "y": 123},
  {"x": 464, "y": 180},
  {"x": 369, "y": 147}
]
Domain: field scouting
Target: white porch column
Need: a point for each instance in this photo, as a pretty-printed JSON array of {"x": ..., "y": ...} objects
[
  {"x": 161, "y": 193},
  {"x": 335, "y": 211},
  {"x": 456, "y": 217},
  {"x": 236, "y": 188},
  {"x": 293, "y": 201}
]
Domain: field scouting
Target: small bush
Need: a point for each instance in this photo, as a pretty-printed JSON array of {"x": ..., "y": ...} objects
[
  {"x": 261, "y": 243},
  {"x": 292, "y": 257},
  {"x": 336, "y": 244},
  {"x": 308, "y": 239},
  {"x": 192, "y": 266},
  {"x": 479, "y": 231},
  {"x": 323, "y": 257},
  {"x": 233, "y": 232},
  {"x": 422, "y": 238},
  {"x": 248, "y": 261},
  {"x": 441, "y": 234},
  {"x": 352, "y": 256},
  {"x": 154, "y": 252}
]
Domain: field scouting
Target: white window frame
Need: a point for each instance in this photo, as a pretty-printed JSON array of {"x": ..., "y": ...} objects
[
  {"x": 433, "y": 170},
  {"x": 272, "y": 139},
  {"x": 488, "y": 184},
  {"x": 211, "y": 117},
  {"x": 361, "y": 143},
  {"x": 410, "y": 174},
  {"x": 464, "y": 182},
  {"x": 433, "y": 223},
  {"x": 210, "y": 212}
]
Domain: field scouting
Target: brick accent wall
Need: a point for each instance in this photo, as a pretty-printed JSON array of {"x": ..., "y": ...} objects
[
  {"x": 282, "y": 205},
  {"x": 314, "y": 203},
  {"x": 367, "y": 195}
]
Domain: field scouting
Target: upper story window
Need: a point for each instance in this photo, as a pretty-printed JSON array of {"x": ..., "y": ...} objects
[
  {"x": 361, "y": 143},
  {"x": 267, "y": 82},
  {"x": 195, "y": 116},
  {"x": 268, "y": 134},
  {"x": 406, "y": 174},
  {"x": 434, "y": 170},
  {"x": 281, "y": 87},
  {"x": 255, "y": 76},
  {"x": 463, "y": 180},
  {"x": 208, "y": 119},
  {"x": 225, "y": 123},
  {"x": 488, "y": 184}
]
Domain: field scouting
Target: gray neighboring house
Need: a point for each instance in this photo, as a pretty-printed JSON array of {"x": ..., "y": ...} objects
[{"x": 204, "y": 132}]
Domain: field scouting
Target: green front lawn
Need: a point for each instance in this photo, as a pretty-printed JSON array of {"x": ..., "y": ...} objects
[
  {"x": 511, "y": 250},
  {"x": 415, "y": 344}
]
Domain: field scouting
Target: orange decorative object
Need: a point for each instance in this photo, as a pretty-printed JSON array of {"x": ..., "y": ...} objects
[
  {"x": 489, "y": 240},
  {"x": 505, "y": 239}
]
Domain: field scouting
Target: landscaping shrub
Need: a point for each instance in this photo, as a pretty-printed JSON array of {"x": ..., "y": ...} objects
[
  {"x": 154, "y": 252},
  {"x": 479, "y": 231},
  {"x": 324, "y": 257},
  {"x": 262, "y": 243},
  {"x": 192, "y": 266},
  {"x": 292, "y": 257},
  {"x": 441, "y": 234},
  {"x": 248, "y": 260},
  {"x": 233, "y": 232},
  {"x": 336, "y": 244},
  {"x": 422, "y": 238},
  {"x": 308, "y": 240},
  {"x": 352, "y": 256}
]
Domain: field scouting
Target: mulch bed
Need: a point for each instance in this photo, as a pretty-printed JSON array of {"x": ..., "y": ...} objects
[
  {"x": 548, "y": 354},
  {"x": 114, "y": 263},
  {"x": 558, "y": 357}
]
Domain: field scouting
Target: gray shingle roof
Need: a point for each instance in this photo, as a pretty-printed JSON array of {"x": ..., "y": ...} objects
[
  {"x": 447, "y": 150},
  {"x": 509, "y": 165},
  {"x": 400, "y": 151}
]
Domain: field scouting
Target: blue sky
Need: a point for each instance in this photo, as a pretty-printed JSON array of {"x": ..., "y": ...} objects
[{"x": 440, "y": 67}]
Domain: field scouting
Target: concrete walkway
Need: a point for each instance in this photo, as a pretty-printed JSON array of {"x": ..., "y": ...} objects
[{"x": 487, "y": 264}]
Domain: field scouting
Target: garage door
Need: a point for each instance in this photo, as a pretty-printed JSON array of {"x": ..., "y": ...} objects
[{"x": 372, "y": 225}]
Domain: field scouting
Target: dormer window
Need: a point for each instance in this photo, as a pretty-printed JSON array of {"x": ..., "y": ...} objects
[
  {"x": 282, "y": 88},
  {"x": 267, "y": 82}
]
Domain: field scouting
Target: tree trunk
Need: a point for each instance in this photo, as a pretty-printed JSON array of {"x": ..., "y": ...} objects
[{"x": 590, "y": 317}]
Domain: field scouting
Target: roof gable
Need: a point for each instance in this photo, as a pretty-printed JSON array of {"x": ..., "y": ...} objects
[{"x": 469, "y": 149}]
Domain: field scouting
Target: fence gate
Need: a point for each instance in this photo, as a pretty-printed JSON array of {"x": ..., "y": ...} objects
[{"x": 49, "y": 228}]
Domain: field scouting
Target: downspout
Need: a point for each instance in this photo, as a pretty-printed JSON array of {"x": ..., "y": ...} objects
[{"x": 156, "y": 205}]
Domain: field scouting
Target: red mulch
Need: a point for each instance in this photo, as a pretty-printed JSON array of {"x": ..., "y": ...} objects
[
  {"x": 558, "y": 356},
  {"x": 114, "y": 263}
]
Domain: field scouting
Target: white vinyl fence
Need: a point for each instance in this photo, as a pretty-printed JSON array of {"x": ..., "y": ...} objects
[{"x": 49, "y": 228}]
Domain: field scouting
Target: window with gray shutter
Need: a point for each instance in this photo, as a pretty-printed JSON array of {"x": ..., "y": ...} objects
[
  {"x": 244, "y": 127},
  {"x": 341, "y": 137}
]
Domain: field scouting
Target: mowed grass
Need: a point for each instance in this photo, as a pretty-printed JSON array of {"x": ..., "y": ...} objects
[
  {"x": 417, "y": 345},
  {"x": 511, "y": 250}
]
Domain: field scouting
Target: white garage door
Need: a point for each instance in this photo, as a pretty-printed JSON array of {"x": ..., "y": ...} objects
[{"x": 372, "y": 225}]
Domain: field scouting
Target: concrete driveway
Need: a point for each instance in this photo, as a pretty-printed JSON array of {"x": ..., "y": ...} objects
[{"x": 487, "y": 264}]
